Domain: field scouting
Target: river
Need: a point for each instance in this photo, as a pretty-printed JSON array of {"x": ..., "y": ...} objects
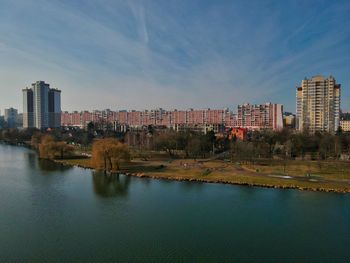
[{"x": 52, "y": 213}]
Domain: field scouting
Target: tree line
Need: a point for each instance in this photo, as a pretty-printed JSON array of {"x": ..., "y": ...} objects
[{"x": 285, "y": 144}]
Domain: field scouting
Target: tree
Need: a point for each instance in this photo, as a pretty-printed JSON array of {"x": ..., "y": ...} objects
[
  {"x": 107, "y": 154},
  {"x": 243, "y": 151},
  {"x": 198, "y": 145},
  {"x": 91, "y": 127},
  {"x": 167, "y": 142},
  {"x": 49, "y": 148},
  {"x": 194, "y": 147},
  {"x": 35, "y": 140},
  {"x": 326, "y": 146}
]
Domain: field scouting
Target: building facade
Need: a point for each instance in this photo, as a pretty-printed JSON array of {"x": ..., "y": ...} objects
[
  {"x": 11, "y": 116},
  {"x": 28, "y": 108},
  {"x": 345, "y": 125},
  {"x": 318, "y": 105},
  {"x": 289, "y": 120},
  {"x": 54, "y": 108},
  {"x": 41, "y": 106},
  {"x": 265, "y": 116},
  {"x": 176, "y": 119},
  {"x": 260, "y": 116},
  {"x": 238, "y": 133}
]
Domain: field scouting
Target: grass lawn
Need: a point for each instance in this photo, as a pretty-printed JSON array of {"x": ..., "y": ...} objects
[
  {"x": 322, "y": 169},
  {"x": 325, "y": 175}
]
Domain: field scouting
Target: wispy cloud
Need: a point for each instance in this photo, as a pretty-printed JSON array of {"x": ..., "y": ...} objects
[
  {"x": 138, "y": 11},
  {"x": 173, "y": 54}
]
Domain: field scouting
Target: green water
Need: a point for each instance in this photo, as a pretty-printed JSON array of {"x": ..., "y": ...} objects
[{"x": 49, "y": 213}]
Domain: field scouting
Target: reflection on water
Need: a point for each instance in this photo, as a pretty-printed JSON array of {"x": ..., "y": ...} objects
[
  {"x": 110, "y": 185},
  {"x": 32, "y": 159},
  {"x": 44, "y": 165},
  {"x": 50, "y": 166}
]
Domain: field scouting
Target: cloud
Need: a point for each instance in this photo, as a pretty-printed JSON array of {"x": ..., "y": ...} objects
[
  {"x": 180, "y": 54},
  {"x": 138, "y": 10}
]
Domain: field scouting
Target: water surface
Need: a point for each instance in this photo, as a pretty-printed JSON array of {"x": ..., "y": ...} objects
[{"x": 51, "y": 213}]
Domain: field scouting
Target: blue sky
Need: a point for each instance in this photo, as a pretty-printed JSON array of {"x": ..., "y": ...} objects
[{"x": 134, "y": 54}]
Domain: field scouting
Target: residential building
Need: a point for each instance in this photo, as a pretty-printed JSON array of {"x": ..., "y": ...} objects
[
  {"x": 41, "y": 106},
  {"x": 157, "y": 117},
  {"x": 276, "y": 110},
  {"x": 20, "y": 120},
  {"x": 10, "y": 117},
  {"x": 238, "y": 133},
  {"x": 199, "y": 127},
  {"x": 260, "y": 116},
  {"x": 289, "y": 120},
  {"x": 28, "y": 108},
  {"x": 345, "y": 125},
  {"x": 54, "y": 108},
  {"x": 318, "y": 105},
  {"x": 265, "y": 116}
]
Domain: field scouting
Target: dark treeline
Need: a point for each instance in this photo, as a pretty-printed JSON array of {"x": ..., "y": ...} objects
[
  {"x": 76, "y": 136},
  {"x": 285, "y": 144},
  {"x": 290, "y": 145},
  {"x": 15, "y": 136}
]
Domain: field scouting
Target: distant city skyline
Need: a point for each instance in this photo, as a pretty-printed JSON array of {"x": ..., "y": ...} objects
[
  {"x": 172, "y": 54},
  {"x": 253, "y": 117}
]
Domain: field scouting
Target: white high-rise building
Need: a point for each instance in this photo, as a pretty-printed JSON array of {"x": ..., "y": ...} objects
[
  {"x": 318, "y": 105},
  {"x": 41, "y": 106}
]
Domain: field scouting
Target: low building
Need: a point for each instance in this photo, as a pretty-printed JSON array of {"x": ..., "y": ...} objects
[
  {"x": 117, "y": 127},
  {"x": 345, "y": 125},
  {"x": 289, "y": 120},
  {"x": 200, "y": 128},
  {"x": 238, "y": 133}
]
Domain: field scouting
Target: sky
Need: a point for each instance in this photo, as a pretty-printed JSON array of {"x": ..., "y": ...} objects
[{"x": 145, "y": 54}]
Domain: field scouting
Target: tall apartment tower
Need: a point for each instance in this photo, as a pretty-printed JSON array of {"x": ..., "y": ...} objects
[
  {"x": 28, "y": 108},
  {"x": 44, "y": 104},
  {"x": 318, "y": 105},
  {"x": 41, "y": 104},
  {"x": 54, "y": 108}
]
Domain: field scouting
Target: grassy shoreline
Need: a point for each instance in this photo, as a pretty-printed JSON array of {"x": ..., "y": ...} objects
[{"x": 333, "y": 176}]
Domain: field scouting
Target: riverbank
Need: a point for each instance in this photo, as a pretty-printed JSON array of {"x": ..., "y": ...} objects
[{"x": 302, "y": 175}]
